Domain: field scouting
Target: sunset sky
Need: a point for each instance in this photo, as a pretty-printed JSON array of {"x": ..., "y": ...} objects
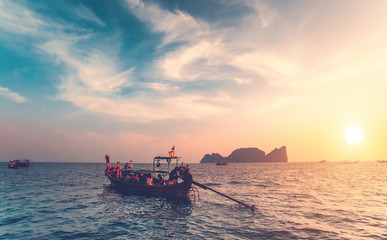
[{"x": 81, "y": 79}]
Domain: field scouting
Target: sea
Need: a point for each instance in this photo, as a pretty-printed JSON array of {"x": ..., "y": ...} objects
[{"x": 292, "y": 201}]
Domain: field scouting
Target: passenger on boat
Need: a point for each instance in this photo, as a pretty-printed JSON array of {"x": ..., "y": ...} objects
[
  {"x": 143, "y": 178},
  {"x": 159, "y": 180},
  {"x": 149, "y": 181},
  {"x": 11, "y": 164},
  {"x": 117, "y": 168},
  {"x": 173, "y": 175},
  {"x": 127, "y": 177},
  {"x": 137, "y": 179},
  {"x": 185, "y": 174},
  {"x": 131, "y": 164},
  {"x": 134, "y": 178},
  {"x": 109, "y": 167},
  {"x": 109, "y": 170},
  {"x": 162, "y": 180}
]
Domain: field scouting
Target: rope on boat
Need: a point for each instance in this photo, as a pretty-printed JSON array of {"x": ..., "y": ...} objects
[{"x": 252, "y": 207}]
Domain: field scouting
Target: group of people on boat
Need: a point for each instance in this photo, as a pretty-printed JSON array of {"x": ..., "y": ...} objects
[
  {"x": 116, "y": 170},
  {"x": 144, "y": 178},
  {"x": 18, "y": 163}
]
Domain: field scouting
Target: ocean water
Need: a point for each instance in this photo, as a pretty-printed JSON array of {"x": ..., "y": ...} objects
[{"x": 293, "y": 201}]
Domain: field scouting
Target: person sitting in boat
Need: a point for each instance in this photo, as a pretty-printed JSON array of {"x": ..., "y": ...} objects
[
  {"x": 11, "y": 164},
  {"x": 173, "y": 176},
  {"x": 128, "y": 177},
  {"x": 109, "y": 169},
  {"x": 117, "y": 169},
  {"x": 134, "y": 178},
  {"x": 126, "y": 166},
  {"x": 131, "y": 178},
  {"x": 159, "y": 180},
  {"x": 149, "y": 180},
  {"x": 185, "y": 174},
  {"x": 143, "y": 178}
]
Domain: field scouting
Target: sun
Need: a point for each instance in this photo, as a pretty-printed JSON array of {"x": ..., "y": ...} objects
[{"x": 353, "y": 135}]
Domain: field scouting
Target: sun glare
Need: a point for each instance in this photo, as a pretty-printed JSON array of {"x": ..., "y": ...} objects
[{"x": 353, "y": 134}]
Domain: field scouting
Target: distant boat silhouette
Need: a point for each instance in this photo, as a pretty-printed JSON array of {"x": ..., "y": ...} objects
[
  {"x": 382, "y": 161},
  {"x": 19, "y": 163},
  {"x": 349, "y": 162},
  {"x": 323, "y": 161},
  {"x": 222, "y": 163}
]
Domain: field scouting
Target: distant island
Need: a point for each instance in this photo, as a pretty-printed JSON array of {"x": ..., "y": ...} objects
[{"x": 248, "y": 155}]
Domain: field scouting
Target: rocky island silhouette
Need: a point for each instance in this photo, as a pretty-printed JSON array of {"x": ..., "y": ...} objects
[{"x": 248, "y": 155}]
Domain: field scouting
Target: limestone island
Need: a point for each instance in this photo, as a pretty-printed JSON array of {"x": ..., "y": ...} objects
[{"x": 248, "y": 155}]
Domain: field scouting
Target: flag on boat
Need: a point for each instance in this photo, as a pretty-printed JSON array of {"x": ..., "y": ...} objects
[{"x": 172, "y": 152}]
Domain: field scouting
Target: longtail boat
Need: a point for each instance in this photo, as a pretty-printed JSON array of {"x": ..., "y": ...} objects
[
  {"x": 222, "y": 163},
  {"x": 19, "y": 163},
  {"x": 176, "y": 183}
]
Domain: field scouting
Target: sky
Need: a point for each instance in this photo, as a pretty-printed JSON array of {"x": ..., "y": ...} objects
[{"x": 81, "y": 79}]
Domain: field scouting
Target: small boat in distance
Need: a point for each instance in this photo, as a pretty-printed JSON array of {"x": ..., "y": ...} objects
[
  {"x": 176, "y": 183},
  {"x": 323, "y": 161},
  {"x": 349, "y": 162},
  {"x": 222, "y": 163},
  {"x": 19, "y": 163},
  {"x": 382, "y": 161}
]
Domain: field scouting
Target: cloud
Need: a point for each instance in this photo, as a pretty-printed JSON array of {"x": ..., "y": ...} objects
[
  {"x": 178, "y": 26},
  {"x": 96, "y": 81},
  {"x": 93, "y": 83},
  {"x": 271, "y": 48},
  {"x": 92, "y": 69},
  {"x": 243, "y": 81},
  {"x": 5, "y": 92},
  {"x": 205, "y": 51},
  {"x": 18, "y": 19},
  {"x": 88, "y": 15},
  {"x": 284, "y": 49},
  {"x": 176, "y": 65}
]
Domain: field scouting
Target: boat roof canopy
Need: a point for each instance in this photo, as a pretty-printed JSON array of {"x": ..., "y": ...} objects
[
  {"x": 166, "y": 158},
  {"x": 158, "y": 159},
  {"x": 143, "y": 171}
]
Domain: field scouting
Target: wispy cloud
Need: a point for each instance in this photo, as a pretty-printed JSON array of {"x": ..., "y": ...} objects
[
  {"x": 92, "y": 82},
  {"x": 178, "y": 26},
  {"x": 18, "y": 19},
  {"x": 5, "y": 92},
  {"x": 205, "y": 51},
  {"x": 92, "y": 69},
  {"x": 87, "y": 14}
]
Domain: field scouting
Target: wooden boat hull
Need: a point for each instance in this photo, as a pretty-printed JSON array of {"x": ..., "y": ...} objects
[{"x": 180, "y": 190}]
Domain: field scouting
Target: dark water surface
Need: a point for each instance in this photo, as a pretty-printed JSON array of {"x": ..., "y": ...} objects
[{"x": 293, "y": 200}]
